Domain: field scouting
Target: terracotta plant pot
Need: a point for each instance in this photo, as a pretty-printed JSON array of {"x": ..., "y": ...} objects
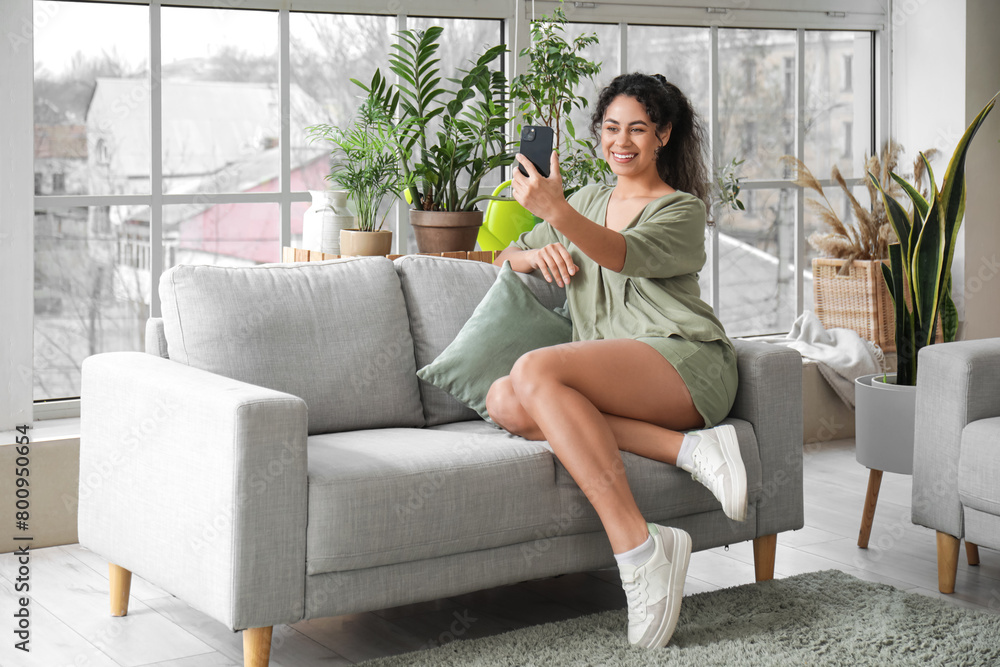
[
  {"x": 355, "y": 243},
  {"x": 446, "y": 231}
]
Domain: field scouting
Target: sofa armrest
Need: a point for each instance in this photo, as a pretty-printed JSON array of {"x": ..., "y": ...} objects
[
  {"x": 957, "y": 383},
  {"x": 196, "y": 482},
  {"x": 769, "y": 396}
]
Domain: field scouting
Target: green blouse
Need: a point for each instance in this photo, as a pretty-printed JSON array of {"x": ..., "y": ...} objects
[{"x": 656, "y": 294}]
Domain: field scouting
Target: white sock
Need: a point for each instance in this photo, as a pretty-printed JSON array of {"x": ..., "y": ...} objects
[
  {"x": 684, "y": 460},
  {"x": 638, "y": 555}
]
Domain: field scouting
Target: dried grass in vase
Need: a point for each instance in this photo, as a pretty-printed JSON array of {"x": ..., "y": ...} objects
[{"x": 869, "y": 239}]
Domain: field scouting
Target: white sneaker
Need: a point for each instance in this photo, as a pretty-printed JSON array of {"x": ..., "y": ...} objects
[
  {"x": 717, "y": 464},
  {"x": 655, "y": 588}
]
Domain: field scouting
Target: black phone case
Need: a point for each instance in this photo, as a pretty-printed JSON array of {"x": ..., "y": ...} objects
[{"x": 538, "y": 148}]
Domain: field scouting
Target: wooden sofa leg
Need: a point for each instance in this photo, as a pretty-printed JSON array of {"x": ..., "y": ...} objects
[
  {"x": 763, "y": 556},
  {"x": 972, "y": 552},
  {"x": 947, "y": 559},
  {"x": 257, "y": 647},
  {"x": 121, "y": 584}
]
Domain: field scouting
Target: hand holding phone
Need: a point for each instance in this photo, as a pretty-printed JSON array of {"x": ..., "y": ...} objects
[{"x": 536, "y": 145}]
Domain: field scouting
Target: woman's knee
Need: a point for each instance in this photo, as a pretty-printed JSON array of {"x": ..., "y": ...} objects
[
  {"x": 532, "y": 370},
  {"x": 506, "y": 410}
]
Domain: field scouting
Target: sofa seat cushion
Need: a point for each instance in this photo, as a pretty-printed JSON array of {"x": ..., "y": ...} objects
[
  {"x": 394, "y": 495},
  {"x": 332, "y": 333},
  {"x": 979, "y": 466},
  {"x": 438, "y": 311},
  {"x": 386, "y": 496}
]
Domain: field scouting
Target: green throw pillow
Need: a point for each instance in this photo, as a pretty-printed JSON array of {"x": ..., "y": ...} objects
[{"x": 509, "y": 321}]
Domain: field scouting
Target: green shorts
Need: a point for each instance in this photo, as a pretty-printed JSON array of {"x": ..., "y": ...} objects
[{"x": 708, "y": 369}]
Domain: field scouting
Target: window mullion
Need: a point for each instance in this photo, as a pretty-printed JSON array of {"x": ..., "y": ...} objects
[
  {"x": 16, "y": 231},
  {"x": 155, "y": 157},
  {"x": 622, "y": 47},
  {"x": 716, "y": 160},
  {"x": 800, "y": 132},
  {"x": 284, "y": 141},
  {"x": 881, "y": 89},
  {"x": 402, "y": 210}
]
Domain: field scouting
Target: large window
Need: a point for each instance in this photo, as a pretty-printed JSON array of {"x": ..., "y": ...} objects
[
  {"x": 197, "y": 153},
  {"x": 91, "y": 115},
  {"x": 213, "y": 103}
]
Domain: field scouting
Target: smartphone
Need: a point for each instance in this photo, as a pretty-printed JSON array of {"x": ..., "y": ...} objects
[{"x": 536, "y": 145}]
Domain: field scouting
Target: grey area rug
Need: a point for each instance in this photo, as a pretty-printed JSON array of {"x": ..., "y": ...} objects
[{"x": 819, "y": 618}]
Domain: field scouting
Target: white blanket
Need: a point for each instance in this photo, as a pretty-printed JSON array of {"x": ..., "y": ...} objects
[{"x": 842, "y": 354}]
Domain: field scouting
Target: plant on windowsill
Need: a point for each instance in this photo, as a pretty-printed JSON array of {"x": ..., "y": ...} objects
[
  {"x": 366, "y": 165},
  {"x": 848, "y": 290},
  {"x": 445, "y": 168},
  {"x": 546, "y": 95},
  {"x": 919, "y": 274},
  {"x": 726, "y": 189}
]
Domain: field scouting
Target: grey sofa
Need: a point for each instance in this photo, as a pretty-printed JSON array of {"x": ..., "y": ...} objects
[
  {"x": 276, "y": 459},
  {"x": 956, "y": 450}
]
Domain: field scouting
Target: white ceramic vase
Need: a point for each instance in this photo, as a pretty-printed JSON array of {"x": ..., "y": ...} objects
[{"x": 322, "y": 222}]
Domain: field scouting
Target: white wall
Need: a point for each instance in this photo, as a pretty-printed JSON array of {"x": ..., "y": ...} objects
[
  {"x": 16, "y": 210},
  {"x": 946, "y": 66},
  {"x": 982, "y": 213}
]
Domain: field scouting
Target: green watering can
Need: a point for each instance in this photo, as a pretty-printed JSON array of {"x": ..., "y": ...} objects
[{"x": 503, "y": 222}]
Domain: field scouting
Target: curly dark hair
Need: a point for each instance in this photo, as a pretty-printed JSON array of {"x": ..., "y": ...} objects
[{"x": 681, "y": 162}]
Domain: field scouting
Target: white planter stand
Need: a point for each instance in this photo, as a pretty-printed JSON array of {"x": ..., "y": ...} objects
[{"x": 883, "y": 434}]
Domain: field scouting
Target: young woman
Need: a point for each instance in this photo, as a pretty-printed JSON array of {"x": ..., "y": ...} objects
[{"x": 649, "y": 358}]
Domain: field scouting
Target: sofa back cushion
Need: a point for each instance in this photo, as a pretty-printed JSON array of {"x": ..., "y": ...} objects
[
  {"x": 441, "y": 294},
  {"x": 333, "y": 333}
]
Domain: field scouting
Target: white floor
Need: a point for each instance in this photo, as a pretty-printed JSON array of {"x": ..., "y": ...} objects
[{"x": 70, "y": 624}]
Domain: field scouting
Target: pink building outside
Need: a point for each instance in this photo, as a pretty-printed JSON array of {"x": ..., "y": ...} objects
[{"x": 243, "y": 232}]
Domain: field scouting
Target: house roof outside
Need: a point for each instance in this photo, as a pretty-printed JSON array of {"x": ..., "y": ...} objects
[
  {"x": 217, "y": 137},
  {"x": 206, "y": 124}
]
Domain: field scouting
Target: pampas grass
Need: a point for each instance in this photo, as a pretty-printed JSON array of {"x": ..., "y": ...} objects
[{"x": 870, "y": 237}]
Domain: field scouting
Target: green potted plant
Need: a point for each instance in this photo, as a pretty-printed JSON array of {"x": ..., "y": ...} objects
[
  {"x": 446, "y": 165},
  {"x": 546, "y": 95},
  {"x": 919, "y": 282},
  {"x": 919, "y": 271},
  {"x": 366, "y": 165}
]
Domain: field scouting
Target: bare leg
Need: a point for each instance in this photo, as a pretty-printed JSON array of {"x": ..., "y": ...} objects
[
  {"x": 632, "y": 435},
  {"x": 567, "y": 391}
]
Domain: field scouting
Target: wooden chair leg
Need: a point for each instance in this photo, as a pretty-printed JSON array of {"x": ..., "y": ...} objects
[
  {"x": 121, "y": 584},
  {"x": 972, "y": 552},
  {"x": 947, "y": 558},
  {"x": 763, "y": 556},
  {"x": 871, "y": 500},
  {"x": 257, "y": 647}
]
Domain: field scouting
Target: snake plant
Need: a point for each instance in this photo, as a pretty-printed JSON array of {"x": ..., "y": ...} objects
[{"x": 919, "y": 274}]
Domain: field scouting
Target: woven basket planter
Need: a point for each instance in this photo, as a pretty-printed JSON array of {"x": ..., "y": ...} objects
[{"x": 859, "y": 300}]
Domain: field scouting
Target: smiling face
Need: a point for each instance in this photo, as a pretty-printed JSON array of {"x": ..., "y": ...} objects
[{"x": 629, "y": 139}]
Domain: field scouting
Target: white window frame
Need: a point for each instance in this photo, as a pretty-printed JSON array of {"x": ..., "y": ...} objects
[{"x": 17, "y": 243}]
